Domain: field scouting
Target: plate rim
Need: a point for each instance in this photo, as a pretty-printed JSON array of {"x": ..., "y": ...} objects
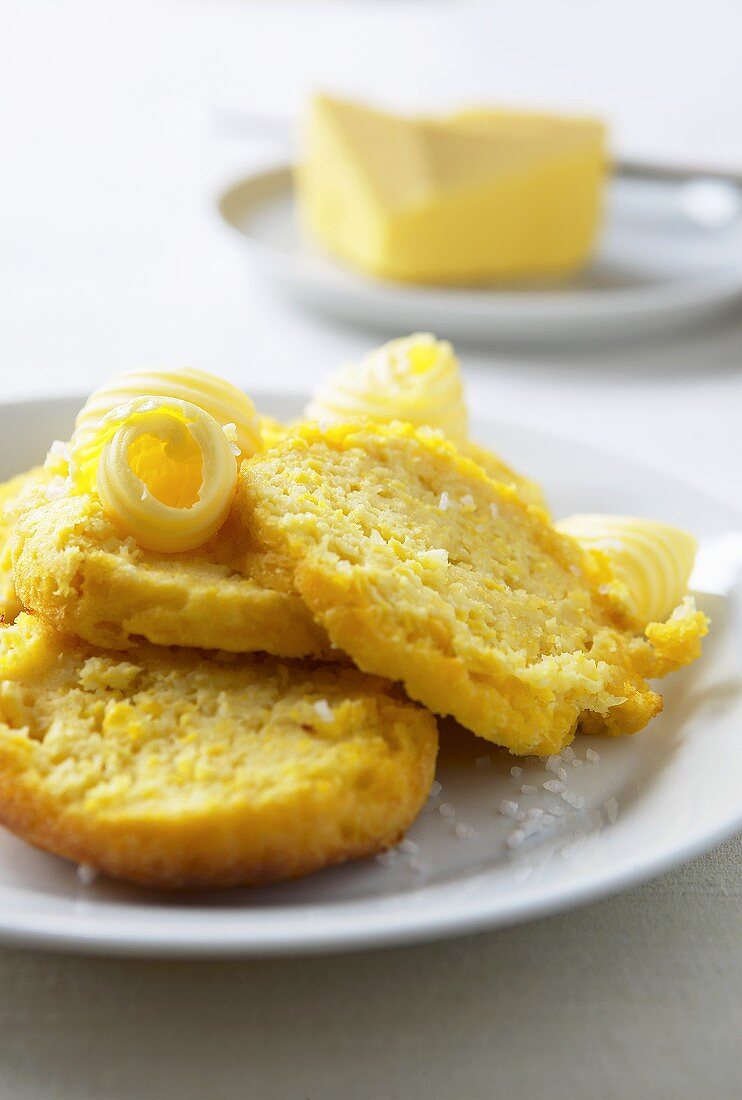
[
  {"x": 575, "y": 305},
  {"x": 68, "y": 932}
]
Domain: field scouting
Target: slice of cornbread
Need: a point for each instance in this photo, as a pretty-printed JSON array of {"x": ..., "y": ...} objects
[
  {"x": 73, "y": 567},
  {"x": 174, "y": 769},
  {"x": 10, "y": 491},
  {"x": 425, "y": 570},
  {"x": 481, "y": 196}
]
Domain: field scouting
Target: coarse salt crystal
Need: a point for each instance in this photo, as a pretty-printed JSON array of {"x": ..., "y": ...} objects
[
  {"x": 324, "y": 710},
  {"x": 508, "y": 808},
  {"x": 527, "y": 788},
  {"x": 447, "y": 809},
  {"x": 573, "y": 800},
  {"x": 387, "y": 859},
  {"x": 562, "y": 773},
  {"x": 568, "y": 753},
  {"x": 86, "y": 873},
  {"x": 435, "y": 789},
  {"x": 516, "y": 771},
  {"x": 552, "y": 763},
  {"x": 554, "y": 786},
  {"x": 548, "y": 819},
  {"x": 611, "y": 809},
  {"x": 593, "y": 756},
  {"x": 443, "y": 502},
  {"x": 465, "y": 832},
  {"x": 516, "y": 838},
  {"x": 577, "y": 763},
  {"x": 409, "y": 847}
]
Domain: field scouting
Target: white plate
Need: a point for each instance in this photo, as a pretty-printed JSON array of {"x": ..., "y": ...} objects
[
  {"x": 677, "y": 785},
  {"x": 655, "y": 269}
]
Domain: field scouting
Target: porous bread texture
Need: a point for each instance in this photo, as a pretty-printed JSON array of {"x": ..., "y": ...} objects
[
  {"x": 423, "y": 569},
  {"x": 176, "y": 769},
  {"x": 10, "y": 491},
  {"x": 73, "y": 567}
]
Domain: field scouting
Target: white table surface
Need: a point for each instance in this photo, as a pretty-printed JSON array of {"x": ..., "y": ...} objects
[{"x": 111, "y": 256}]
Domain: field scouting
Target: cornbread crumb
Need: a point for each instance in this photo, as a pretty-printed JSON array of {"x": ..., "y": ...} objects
[{"x": 176, "y": 769}]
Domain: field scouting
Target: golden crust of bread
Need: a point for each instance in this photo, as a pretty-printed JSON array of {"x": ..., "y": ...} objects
[
  {"x": 496, "y": 468},
  {"x": 10, "y": 491},
  {"x": 177, "y": 769},
  {"x": 425, "y": 570},
  {"x": 72, "y": 567}
]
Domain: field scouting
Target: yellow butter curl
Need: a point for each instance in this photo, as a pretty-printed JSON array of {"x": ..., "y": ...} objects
[
  {"x": 653, "y": 560},
  {"x": 416, "y": 379},
  {"x": 164, "y": 469},
  {"x": 225, "y": 402}
]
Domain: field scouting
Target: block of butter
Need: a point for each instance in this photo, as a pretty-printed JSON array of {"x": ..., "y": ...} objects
[{"x": 477, "y": 197}]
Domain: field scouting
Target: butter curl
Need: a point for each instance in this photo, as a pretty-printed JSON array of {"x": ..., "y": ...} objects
[
  {"x": 164, "y": 470},
  {"x": 653, "y": 561},
  {"x": 416, "y": 379}
]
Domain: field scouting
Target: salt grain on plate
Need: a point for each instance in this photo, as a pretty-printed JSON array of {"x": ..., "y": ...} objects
[
  {"x": 552, "y": 763},
  {"x": 409, "y": 847},
  {"x": 86, "y": 873},
  {"x": 562, "y": 773},
  {"x": 465, "y": 832},
  {"x": 508, "y": 808},
  {"x": 611, "y": 809},
  {"x": 577, "y": 763},
  {"x": 447, "y": 809},
  {"x": 516, "y": 838},
  {"x": 516, "y": 771},
  {"x": 528, "y": 789},
  {"x": 435, "y": 789},
  {"x": 568, "y": 753},
  {"x": 554, "y": 786},
  {"x": 593, "y": 756}
]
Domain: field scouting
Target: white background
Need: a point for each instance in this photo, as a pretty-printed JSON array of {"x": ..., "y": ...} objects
[{"x": 111, "y": 256}]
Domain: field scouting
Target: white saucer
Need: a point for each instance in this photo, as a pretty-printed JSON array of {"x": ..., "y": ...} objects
[
  {"x": 663, "y": 796},
  {"x": 656, "y": 268}
]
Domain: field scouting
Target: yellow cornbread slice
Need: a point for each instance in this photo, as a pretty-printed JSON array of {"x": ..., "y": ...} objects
[
  {"x": 174, "y": 769},
  {"x": 10, "y": 490},
  {"x": 485, "y": 195},
  {"x": 480, "y": 608},
  {"x": 73, "y": 567}
]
